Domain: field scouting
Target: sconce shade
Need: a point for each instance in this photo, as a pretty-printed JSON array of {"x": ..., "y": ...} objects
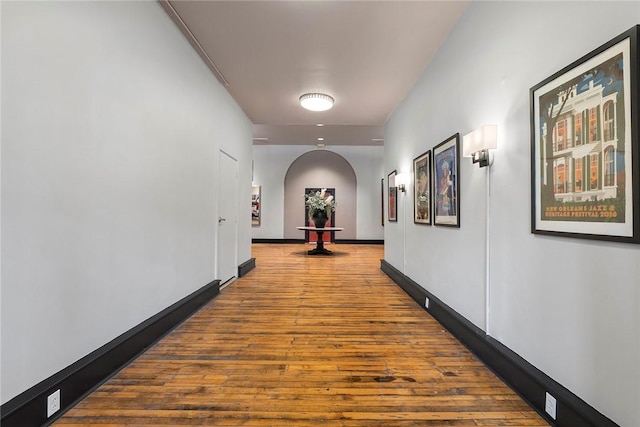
[
  {"x": 402, "y": 179},
  {"x": 481, "y": 139}
]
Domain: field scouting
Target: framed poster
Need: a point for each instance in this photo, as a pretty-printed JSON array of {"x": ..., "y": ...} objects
[
  {"x": 392, "y": 197},
  {"x": 255, "y": 205},
  {"x": 584, "y": 146},
  {"x": 422, "y": 187},
  {"x": 446, "y": 180},
  {"x": 382, "y": 199}
]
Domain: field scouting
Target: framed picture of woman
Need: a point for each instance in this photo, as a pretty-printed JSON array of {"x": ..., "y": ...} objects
[
  {"x": 422, "y": 187},
  {"x": 446, "y": 180}
]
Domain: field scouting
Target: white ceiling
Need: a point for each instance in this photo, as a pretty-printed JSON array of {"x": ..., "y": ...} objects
[{"x": 366, "y": 54}]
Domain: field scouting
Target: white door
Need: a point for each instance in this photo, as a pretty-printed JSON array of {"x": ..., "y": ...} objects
[{"x": 227, "y": 244}]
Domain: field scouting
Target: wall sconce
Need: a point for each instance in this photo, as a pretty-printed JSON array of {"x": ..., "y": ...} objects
[
  {"x": 401, "y": 181},
  {"x": 478, "y": 143}
]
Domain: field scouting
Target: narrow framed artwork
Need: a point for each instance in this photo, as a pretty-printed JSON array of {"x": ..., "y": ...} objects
[
  {"x": 382, "y": 199},
  {"x": 255, "y": 205},
  {"x": 446, "y": 180},
  {"x": 422, "y": 187},
  {"x": 392, "y": 201},
  {"x": 584, "y": 146}
]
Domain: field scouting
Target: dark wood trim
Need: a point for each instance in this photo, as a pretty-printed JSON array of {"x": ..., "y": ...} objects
[
  {"x": 360, "y": 242},
  {"x": 278, "y": 241},
  {"x": 246, "y": 267},
  {"x": 527, "y": 380},
  {"x": 83, "y": 376},
  {"x": 346, "y": 241}
]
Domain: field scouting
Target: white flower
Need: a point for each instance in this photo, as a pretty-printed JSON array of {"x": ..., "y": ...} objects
[{"x": 318, "y": 201}]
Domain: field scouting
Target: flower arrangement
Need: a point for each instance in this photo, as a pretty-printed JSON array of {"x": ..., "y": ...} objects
[{"x": 320, "y": 200}]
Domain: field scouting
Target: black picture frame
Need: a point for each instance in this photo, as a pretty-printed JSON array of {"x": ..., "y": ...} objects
[
  {"x": 382, "y": 201},
  {"x": 422, "y": 175},
  {"x": 584, "y": 146},
  {"x": 446, "y": 182},
  {"x": 256, "y": 202},
  {"x": 392, "y": 197}
]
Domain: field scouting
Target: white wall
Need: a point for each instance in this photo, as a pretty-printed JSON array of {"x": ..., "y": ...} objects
[
  {"x": 571, "y": 307},
  {"x": 270, "y": 167},
  {"x": 110, "y": 138}
]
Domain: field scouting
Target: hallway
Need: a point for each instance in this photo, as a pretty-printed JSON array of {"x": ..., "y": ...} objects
[{"x": 307, "y": 341}]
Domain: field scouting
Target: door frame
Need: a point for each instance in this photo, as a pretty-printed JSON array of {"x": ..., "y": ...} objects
[{"x": 222, "y": 185}]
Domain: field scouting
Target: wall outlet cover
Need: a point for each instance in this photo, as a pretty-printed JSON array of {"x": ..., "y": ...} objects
[
  {"x": 550, "y": 405},
  {"x": 53, "y": 403}
]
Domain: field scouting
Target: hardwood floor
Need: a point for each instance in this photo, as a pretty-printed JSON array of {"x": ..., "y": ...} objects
[{"x": 307, "y": 341}]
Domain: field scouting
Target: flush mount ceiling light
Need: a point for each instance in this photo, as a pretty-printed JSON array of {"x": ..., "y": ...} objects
[{"x": 316, "y": 101}]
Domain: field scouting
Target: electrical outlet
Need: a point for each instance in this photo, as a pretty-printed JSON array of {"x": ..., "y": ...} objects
[
  {"x": 53, "y": 403},
  {"x": 550, "y": 405},
  {"x": 426, "y": 302}
]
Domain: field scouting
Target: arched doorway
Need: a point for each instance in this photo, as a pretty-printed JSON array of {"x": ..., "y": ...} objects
[{"x": 320, "y": 169}]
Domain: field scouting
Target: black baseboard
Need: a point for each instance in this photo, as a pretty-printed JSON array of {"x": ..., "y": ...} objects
[
  {"x": 360, "y": 242},
  {"x": 246, "y": 267},
  {"x": 346, "y": 241},
  {"x": 527, "y": 380},
  {"x": 28, "y": 409},
  {"x": 277, "y": 240}
]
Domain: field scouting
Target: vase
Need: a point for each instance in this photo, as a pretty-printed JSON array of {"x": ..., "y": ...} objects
[{"x": 319, "y": 218}]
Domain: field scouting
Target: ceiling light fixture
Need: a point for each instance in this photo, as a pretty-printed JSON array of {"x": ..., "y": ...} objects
[
  {"x": 316, "y": 101},
  {"x": 320, "y": 139}
]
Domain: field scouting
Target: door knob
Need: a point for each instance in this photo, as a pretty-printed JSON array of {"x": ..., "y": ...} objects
[{"x": 220, "y": 219}]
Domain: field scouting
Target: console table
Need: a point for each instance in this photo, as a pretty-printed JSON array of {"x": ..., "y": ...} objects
[{"x": 320, "y": 249}]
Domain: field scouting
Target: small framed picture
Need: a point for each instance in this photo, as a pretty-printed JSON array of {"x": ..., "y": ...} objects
[
  {"x": 584, "y": 146},
  {"x": 392, "y": 194},
  {"x": 422, "y": 188},
  {"x": 446, "y": 182},
  {"x": 255, "y": 205},
  {"x": 382, "y": 200}
]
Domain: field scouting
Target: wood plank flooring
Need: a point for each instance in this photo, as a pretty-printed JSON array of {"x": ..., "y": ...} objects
[{"x": 307, "y": 341}]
